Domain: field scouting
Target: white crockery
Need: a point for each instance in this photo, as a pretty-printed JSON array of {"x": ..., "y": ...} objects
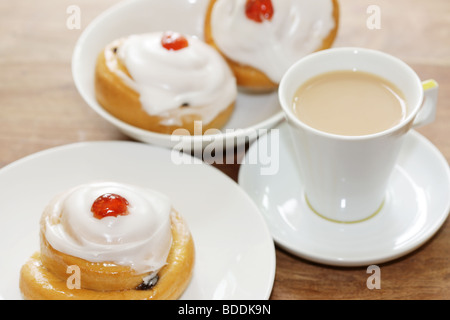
[
  {"x": 417, "y": 205},
  {"x": 252, "y": 112},
  {"x": 235, "y": 254},
  {"x": 345, "y": 177}
]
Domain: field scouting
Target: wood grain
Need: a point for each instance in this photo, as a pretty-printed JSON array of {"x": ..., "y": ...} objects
[{"x": 41, "y": 108}]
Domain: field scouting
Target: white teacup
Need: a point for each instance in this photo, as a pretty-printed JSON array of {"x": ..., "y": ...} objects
[{"x": 345, "y": 177}]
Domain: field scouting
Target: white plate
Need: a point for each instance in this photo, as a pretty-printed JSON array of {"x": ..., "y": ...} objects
[
  {"x": 252, "y": 112},
  {"x": 235, "y": 255},
  {"x": 417, "y": 204}
]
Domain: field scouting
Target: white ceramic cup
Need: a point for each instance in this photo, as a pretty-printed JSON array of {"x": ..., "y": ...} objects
[{"x": 345, "y": 177}]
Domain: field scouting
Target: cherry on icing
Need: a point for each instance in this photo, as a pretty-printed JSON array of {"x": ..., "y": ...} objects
[
  {"x": 257, "y": 10},
  {"x": 173, "y": 41},
  {"x": 109, "y": 205}
]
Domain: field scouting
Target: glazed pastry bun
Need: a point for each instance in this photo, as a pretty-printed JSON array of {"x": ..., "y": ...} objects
[
  {"x": 164, "y": 81},
  {"x": 261, "y": 39},
  {"x": 121, "y": 241}
]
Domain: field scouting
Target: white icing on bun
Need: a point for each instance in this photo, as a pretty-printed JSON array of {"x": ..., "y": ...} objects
[
  {"x": 196, "y": 76},
  {"x": 297, "y": 28},
  {"x": 141, "y": 239}
]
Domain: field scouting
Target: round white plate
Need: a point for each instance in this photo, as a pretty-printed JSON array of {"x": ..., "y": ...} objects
[
  {"x": 252, "y": 111},
  {"x": 417, "y": 204},
  {"x": 235, "y": 255}
]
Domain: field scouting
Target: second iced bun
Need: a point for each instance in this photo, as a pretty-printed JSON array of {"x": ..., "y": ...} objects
[{"x": 261, "y": 39}]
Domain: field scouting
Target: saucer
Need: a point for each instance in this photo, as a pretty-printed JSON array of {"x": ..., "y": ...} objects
[{"x": 417, "y": 204}]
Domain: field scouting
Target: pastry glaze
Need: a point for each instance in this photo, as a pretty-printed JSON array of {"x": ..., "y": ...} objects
[{"x": 253, "y": 78}]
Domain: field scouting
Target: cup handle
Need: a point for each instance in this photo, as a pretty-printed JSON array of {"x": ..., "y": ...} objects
[{"x": 427, "y": 112}]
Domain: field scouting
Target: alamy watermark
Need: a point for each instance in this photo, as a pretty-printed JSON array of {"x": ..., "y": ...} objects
[
  {"x": 217, "y": 147},
  {"x": 74, "y": 280},
  {"x": 373, "y": 21},
  {"x": 73, "y": 20},
  {"x": 373, "y": 281}
]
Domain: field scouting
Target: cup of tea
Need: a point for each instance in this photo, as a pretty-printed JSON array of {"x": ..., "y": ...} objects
[{"x": 348, "y": 111}]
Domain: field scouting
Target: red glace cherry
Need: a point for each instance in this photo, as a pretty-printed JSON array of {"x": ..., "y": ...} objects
[
  {"x": 173, "y": 41},
  {"x": 109, "y": 205},
  {"x": 257, "y": 10}
]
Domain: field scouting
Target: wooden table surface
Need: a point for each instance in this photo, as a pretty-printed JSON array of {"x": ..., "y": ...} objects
[{"x": 40, "y": 108}]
